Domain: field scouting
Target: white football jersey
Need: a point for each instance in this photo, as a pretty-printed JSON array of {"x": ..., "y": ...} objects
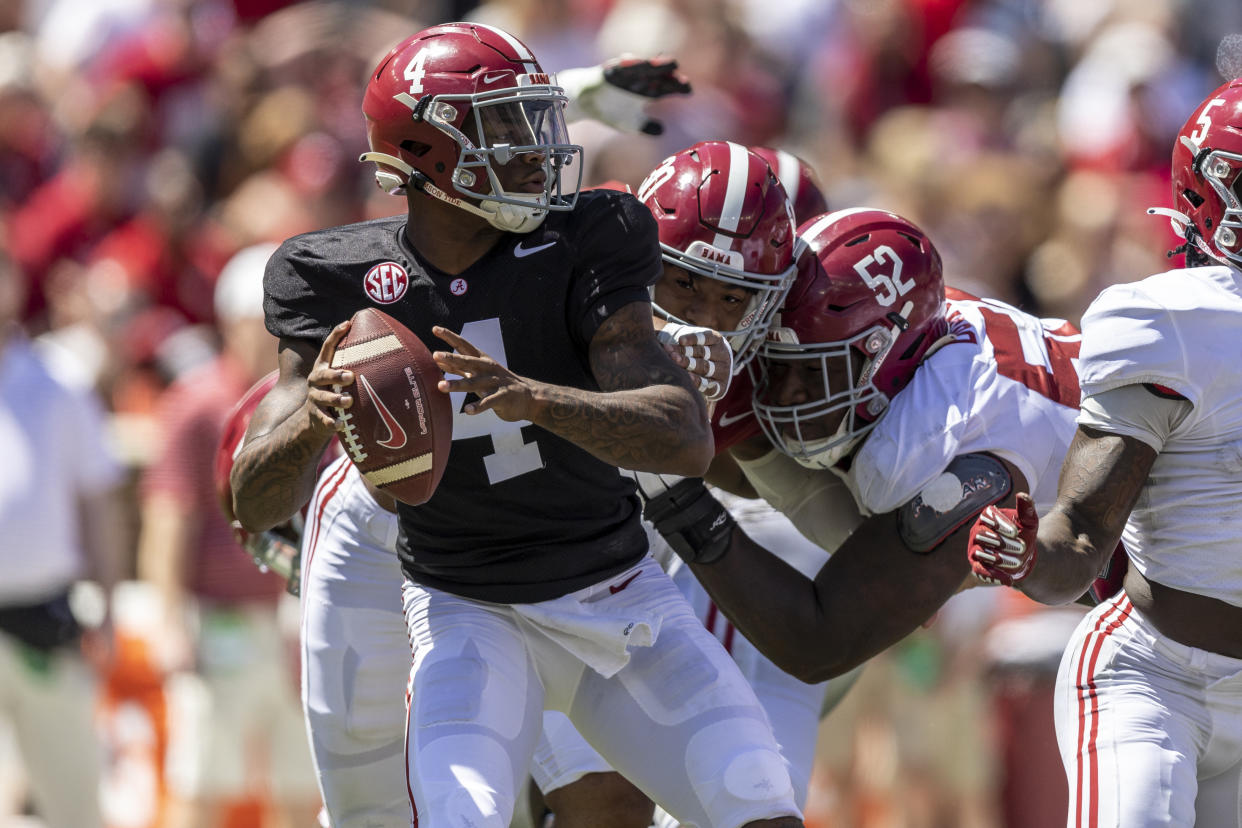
[
  {"x": 1180, "y": 329},
  {"x": 1006, "y": 385}
]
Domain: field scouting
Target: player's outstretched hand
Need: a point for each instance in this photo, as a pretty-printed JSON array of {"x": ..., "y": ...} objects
[
  {"x": 704, "y": 353},
  {"x": 618, "y": 91},
  {"x": 498, "y": 389},
  {"x": 651, "y": 78},
  {"x": 1002, "y": 543},
  {"x": 324, "y": 383}
]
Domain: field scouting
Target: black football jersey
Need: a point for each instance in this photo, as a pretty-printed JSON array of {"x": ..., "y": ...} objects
[{"x": 520, "y": 515}]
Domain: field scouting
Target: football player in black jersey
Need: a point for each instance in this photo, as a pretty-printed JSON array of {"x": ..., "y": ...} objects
[{"x": 528, "y": 583}]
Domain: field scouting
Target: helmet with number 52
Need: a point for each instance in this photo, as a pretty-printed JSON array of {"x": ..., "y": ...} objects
[
  {"x": 464, "y": 113},
  {"x": 867, "y": 305}
]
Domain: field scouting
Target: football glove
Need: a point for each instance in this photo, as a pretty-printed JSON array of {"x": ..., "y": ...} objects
[
  {"x": 1002, "y": 543},
  {"x": 709, "y": 359},
  {"x": 685, "y": 513},
  {"x": 618, "y": 91}
]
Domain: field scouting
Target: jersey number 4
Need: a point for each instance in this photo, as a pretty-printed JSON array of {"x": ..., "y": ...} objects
[{"x": 510, "y": 456}]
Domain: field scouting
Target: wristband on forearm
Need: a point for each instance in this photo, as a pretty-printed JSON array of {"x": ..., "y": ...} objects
[{"x": 694, "y": 523}]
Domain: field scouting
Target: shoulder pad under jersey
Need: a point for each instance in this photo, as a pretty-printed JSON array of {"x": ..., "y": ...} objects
[{"x": 971, "y": 483}]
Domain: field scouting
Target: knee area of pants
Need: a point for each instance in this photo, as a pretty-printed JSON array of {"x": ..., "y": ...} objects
[
  {"x": 757, "y": 775},
  {"x": 737, "y": 769},
  {"x": 472, "y": 809}
]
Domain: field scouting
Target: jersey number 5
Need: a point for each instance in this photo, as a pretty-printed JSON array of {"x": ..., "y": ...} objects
[{"x": 510, "y": 456}]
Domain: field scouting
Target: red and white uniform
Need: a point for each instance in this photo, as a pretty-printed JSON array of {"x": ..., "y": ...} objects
[
  {"x": 733, "y": 417},
  {"x": 1151, "y": 730},
  {"x": 1005, "y": 385}
]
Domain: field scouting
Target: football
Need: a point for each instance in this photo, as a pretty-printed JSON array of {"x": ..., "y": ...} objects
[{"x": 399, "y": 429}]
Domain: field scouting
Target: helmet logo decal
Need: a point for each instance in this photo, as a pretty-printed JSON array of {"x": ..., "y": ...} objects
[
  {"x": 705, "y": 251},
  {"x": 891, "y": 285},
  {"x": 414, "y": 72},
  {"x": 396, "y": 434},
  {"x": 657, "y": 178},
  {"x": 458, "y": 287},
  {"x": 386, "y": 282},
  {"x": 1204, "y": 122}
]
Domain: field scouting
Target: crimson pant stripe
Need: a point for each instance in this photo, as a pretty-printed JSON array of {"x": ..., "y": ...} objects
[
  {"x": 1088, "y": 710},
  {"x": 409, "y": 748},
  {"x": 327, "y": 490}
]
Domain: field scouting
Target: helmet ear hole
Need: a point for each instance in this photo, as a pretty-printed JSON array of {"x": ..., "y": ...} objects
[
  {"x": 1194, "y": 198},
  {"x": 416, "y": 148}
]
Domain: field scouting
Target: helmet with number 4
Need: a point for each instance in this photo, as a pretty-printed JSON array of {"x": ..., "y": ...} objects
[
  {"x": 723, "y": 214},
  {"x": 449, "y": 106},
  {"x": 1207, "y": 177},
  {"x": 799, "y": 180},
  {"x": 867, "y": 305}
]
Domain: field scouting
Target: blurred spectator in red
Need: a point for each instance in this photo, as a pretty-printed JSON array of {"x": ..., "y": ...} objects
[{"x": 235, "y": 683}]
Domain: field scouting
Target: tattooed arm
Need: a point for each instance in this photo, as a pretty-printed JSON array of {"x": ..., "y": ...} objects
[
  {"x": 1100, "y": 482},
  {"x": 274, "y": 473},
  {"x": 647, "y": 416}
]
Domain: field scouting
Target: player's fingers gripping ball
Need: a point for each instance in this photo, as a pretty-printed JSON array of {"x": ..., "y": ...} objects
[
  {"x": 399, "y": 428},
  {"x": 704, "y": 353},
  {"x": 1002, "y": 543}
]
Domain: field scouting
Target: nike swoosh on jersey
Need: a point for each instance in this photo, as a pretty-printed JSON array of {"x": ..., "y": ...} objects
[
  {"x": 727, "y": 420},
  {"x": 396, "y": 434},
  {"x": 519, "y": 251},
  {"x": 615, "y": 588}
]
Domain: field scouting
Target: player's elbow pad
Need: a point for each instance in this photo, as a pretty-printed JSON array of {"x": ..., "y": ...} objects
[{"x": 694, "y": 523}]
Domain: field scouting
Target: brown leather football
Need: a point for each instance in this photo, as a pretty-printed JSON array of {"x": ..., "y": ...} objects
[{"x": 399, "y": 430}]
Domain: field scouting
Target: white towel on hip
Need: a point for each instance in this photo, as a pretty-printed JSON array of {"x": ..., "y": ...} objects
[{"x": 602, "y": 640}]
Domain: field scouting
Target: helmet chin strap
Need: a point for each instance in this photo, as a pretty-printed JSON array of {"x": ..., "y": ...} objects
[
  {"x": 821, "y": 454},
  {"x": 511, "y": 218}
]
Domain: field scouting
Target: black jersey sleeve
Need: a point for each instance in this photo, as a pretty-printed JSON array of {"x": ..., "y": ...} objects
[
  {"x": 303, "y": 297},
  {"x": 618, "y": 258}
]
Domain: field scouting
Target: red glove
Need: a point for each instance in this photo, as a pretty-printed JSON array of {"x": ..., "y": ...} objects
[{"x": 1002, "y": 543}]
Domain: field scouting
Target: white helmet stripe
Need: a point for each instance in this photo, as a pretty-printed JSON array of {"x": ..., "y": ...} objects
[
  {"x": 523, "y": 53},
  {"x": 735, "y": 194},
  {"x": 826, "y": 219},
  {"x": 790, "y": 174}
]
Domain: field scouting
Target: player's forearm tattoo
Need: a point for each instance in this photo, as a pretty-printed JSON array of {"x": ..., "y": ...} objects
[
  {"x": 631, "y": 430},
  {"x": 1102, "y": 478},
  {"x": 273, "y": 475}
]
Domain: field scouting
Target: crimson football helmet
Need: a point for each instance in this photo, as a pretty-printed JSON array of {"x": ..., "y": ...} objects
[
  {"x": 867, "y": 305},
  {"x": 799, "y": 180},
  {"x": 1207, "y": 177},
  {"x": 449, "y": 106},
  {"x": 723, "y": 214}
]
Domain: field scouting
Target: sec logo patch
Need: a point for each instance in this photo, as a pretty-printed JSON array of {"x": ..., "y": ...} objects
[{"x": 386, "y": 282}]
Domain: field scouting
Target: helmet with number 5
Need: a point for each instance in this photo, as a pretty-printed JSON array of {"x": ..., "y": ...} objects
[
  {"x": 723, "y": 214},
  {"x": 1207, "y": 177},
  {"x": 449, "y": 106},
  {"x": 867, "y": 305}
]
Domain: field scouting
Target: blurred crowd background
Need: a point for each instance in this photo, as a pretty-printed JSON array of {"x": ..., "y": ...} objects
[{"x": 145, "y": 143}]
